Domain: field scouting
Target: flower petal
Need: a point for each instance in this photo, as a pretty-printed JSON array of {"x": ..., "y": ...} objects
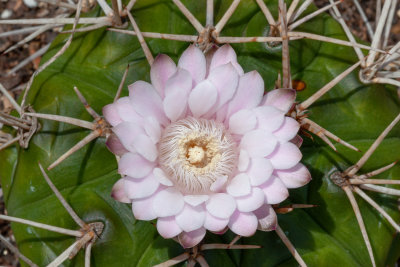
[
  {"x": 202, "y": 98},
  {"x": 239, "y": 185},
  {"x": 126, "y": 133},
  {"x": 243, "y": 223},
  {"x": 269, "y": 118},
  {"x": 218, "y": 185},
  {"x": 115, "y": 146},
  {"x": 258, "y": 143},
  {"x": 221, "y": 205},
  {"x": 191, "y": 239},
  {"x": 242, "y": 121},
  {"x": 194, "y": 61},
  {"x": 288, "y": 129},
  {"x": 248, "y": 94},
  {"x": 142, "y": 208},
  {"x": 215, "y": 224},
  {"x": 224, "y": 55},
  {"x": 167, "y": 227},
  {"x": 209, "y": 55},
  {"x": 282, "y": 99},
  {"x": 225, "y": 78},
  {"x": 118, "y": 192},
  {"x": 140, "y": 188},
  {"x": 177, "y": 91},
  {"x": 134, "y": 139},
  {"x": 111, "y": 114},
  {"x": 175, "y": 105},
  {"x": 285, "y": 156},
  {"x": 168, "y": 202},
  {"x": 134, "y": 165},
  {"x": 161, "y": 70},
  {"x": 146, "y": 101},
  {"x": 162, "y": 177},
  {"x": 221, "y": 114},
  {"x": 251, "y": 202},
  {"x": 152, "y": 129},
  {"x": 191, "y": 218},
  {"x": 145, "y": 147},
  {"x": 275, "y": 191},
  {"x": 244, "y": 161},
  {"x": 297, "y": 141},
  {"x": 294, "y": 177},
  {"x": 126, "y": 111},
  {"x": 260, "y": 171},
  {"x": 195, "y": 200},
  {"x": 267, "y": 219}
]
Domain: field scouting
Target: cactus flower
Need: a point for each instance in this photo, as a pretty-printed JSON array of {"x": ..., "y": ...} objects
[{"x": 202, "y": 148}]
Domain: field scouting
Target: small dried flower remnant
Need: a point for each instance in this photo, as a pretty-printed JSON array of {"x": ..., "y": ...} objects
[{"x": 202, "y": 148}]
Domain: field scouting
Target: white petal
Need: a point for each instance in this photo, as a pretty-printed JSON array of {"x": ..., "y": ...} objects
[
  {"x": 215, "y": 224},
  {"x": 226, "y": 79},
  {"x": 145, "y": 147},
  {"x": 126, "y": 133},
  {"x": 225, "y": 54},
  {"x": 294, "y": 177},
  {"x": 297, "y": 140},
  {"x": 242, "y": 121},
  {"x": 194, "y": 61},
  {"x": 126, "y": 111},
  {"x": 243, "y": 223},
  {"x": 275, "y": 191},
  {"x": 202, "y": 98},
  {"x": 140, "y": 188},
  {"x": 248, "y": 94},
  {"x": 286, "y": 156},
  {"x": 251, "y": 202},
  {"x": 177, "y": 92},
  {"x": 142, "y": 208},
  {"x": 269, "y": 118},
  {"x": 118, "y": 192},
  {"x": 260, "y": 171},
  {"x": 152, "y": 129},
  {"x": 162, "y": 69},
  {"x": 175, "y": 105},
  {"x": 191, "y": 239},
  {"x": 239, "y": 185},
  {"x": 267, "y": 220},
  {"x": 288, "y": 129},
  {"x": 195, "y": 200},
  {"x": 115, "y": 146},
  {"x": 191, "y": 218},
  {"x": 219, "y": 184},
  {"x": 221, "y": 205},
  {"x": 134, "y": 165},
  {"x": 168, "y": 202},
  {"x": 244, "y": 160},
  {"x": 162, "y": 177},
  {"x": 146, "y": 101},
  {"x": 282, "y": 99},
  {"x": 258, "y": 143},
  {"x": 168, "y": 227},
  {"x": 111, "y": 114}
]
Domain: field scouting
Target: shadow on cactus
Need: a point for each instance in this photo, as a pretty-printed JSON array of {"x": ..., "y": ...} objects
[{"x": 325, "y": 234}]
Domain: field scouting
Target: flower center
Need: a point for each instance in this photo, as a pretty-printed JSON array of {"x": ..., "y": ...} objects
[{"x": 194, "y": 153}]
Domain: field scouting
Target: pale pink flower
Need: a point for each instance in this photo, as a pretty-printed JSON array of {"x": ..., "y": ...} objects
[{"x": 202, "y": 148}]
